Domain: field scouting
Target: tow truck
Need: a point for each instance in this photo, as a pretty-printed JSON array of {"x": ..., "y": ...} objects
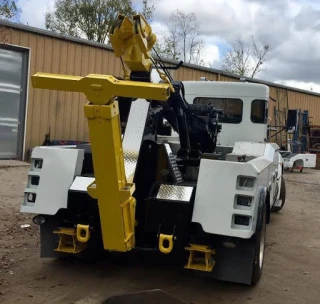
[{"x": 179, "y": 167}]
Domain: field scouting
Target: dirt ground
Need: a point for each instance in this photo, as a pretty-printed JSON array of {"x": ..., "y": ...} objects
[{"x": 291, "y": 271}]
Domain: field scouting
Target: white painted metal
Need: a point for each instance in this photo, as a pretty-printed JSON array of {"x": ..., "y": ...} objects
[
  {"x": 81, "y": 183},
  {"x": 249, "y": 149},
  {"x": 215, "y": 201},
  {"x": 247, "y": 92},
  {"x": 303, "y": 160},
  {"x": 59, "y": 168}
]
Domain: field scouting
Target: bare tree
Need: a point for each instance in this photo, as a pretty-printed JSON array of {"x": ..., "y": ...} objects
[
  {"x": 92, "y": 19},
  {"x": 246, "y": 58},
  {"x": 183, "y": 40}
]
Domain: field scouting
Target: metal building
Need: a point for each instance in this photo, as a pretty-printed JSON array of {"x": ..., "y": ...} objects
[{"x": 26, "y": 115}]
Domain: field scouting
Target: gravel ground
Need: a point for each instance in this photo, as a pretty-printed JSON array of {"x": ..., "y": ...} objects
[{"x": 291, "y": 271}]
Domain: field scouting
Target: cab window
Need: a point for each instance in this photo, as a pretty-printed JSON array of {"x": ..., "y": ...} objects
[
  {"x": 232, "y": 108},
  {"x": 259, "y": 111}
]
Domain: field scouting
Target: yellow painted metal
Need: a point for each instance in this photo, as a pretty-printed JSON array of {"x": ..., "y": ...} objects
[
  {"x": 110, "y": 188},
  {"x": 162, "y": 239},
  {"x": 133, "y": 41},
  {"x": 101, "y": 89},
  {"x": 114, "y": 194},
  {"x": 68, "y": 242},
  {"x": 83, "y": 229},
  {"x": 204, "y": 263}
]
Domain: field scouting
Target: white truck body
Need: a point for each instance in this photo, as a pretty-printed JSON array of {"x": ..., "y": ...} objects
[
  {"x": 244, "y": 130},
  {"x": 218, "y": 187},
  {"x": 215, "y": 208},
  {"x": 220, "y": 197},
  {"x": 300, "y": 160},
  {"x": 235, "y": 189}
]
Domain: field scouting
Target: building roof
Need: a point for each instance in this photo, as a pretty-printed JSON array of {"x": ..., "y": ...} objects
[{"x": 107, "y": 47}]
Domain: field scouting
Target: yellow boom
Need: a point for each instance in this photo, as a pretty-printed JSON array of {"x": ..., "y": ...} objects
[{"x": 132, "y": 40}]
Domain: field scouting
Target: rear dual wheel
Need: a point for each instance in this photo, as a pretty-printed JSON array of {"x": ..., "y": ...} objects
[
  {"x": 260, "y": 239},
  {"x": 282, "y": 196}
]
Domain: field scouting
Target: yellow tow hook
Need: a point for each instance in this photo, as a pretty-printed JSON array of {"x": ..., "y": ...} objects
[
  {"x": 83, "y": 233},
  {"x": 165, "y": 238}
]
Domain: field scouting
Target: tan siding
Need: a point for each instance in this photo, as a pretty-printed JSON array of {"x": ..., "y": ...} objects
[
  {"x": 63, "y": 111},
  {"x": 46, "y": 118},
  {"x": 272, "y": 103},
  {"x": 83, "y": 128},
  {"x": 61, "y": 96},
  {"x": 53, "y": 109}
]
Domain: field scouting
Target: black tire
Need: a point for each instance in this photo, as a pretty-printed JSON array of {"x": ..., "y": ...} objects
[
  {"x": 282, "y": 196},
  {"x": 260, "y": 239}
]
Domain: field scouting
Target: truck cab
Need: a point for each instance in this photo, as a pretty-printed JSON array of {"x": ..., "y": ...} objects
[
  {"x": 244, "y": 105},
  {"x": 245, "y": 108}
]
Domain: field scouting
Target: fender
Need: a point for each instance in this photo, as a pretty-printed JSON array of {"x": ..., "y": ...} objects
[{"x": 261, "y": 207}]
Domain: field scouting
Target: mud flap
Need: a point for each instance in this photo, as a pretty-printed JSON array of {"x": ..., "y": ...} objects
[
  {"x": 237, "y": 264},
  {"x": 234, "y": 264},
  {"x": 147, "y": 297},
  {"x": 48, "y": 240}
]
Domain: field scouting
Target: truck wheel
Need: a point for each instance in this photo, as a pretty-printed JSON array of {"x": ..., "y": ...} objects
[
  {"x": 282, "y": 196},
  {"x": 260, "y": 238}
]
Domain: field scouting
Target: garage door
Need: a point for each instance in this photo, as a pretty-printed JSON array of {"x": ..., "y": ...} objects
[{"x": 13, "y": 73}]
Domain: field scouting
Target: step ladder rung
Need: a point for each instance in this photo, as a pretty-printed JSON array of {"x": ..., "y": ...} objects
[
  {"x": 204, "y": 263},
  {"x": 68, "y": 242}
]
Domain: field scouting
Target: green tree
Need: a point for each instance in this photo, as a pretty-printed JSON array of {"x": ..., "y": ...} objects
[
  {"x": 147, "y": 10},
  {"x": 91, "y": 19},
  {"x": 9, "y": 10}
]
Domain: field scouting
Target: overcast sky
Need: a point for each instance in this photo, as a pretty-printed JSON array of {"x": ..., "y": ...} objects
[{"x": 290, "y": 27}]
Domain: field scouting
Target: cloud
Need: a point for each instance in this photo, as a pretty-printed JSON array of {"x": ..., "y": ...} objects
[
  {"x": 290, "y": 27},
  {"x": 33, "y": 11},
  {"x": 310, "y": 86},
  {"x": 211, "y": 55}
]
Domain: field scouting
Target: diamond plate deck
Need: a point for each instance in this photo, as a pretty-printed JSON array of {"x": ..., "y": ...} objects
[
  {"x": 133, "y": 136},
  {"x": 175, "y": 193}
]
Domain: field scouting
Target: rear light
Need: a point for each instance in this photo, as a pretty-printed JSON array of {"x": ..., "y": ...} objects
[
  {"x": 242, "y": 220},
  {"x": 35, "y": 180},
  {"x": 39, "y": 220},
  {"x": 31, "y": 197},
  {"x": 246, "y": 181},
  {"x": 245, "y": 201},
  {"x": 37, "y": 164},
  {"x": 230, "y": 243}
]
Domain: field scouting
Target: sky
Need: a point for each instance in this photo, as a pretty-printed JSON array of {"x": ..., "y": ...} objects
[{"x": 290, "y": 27}]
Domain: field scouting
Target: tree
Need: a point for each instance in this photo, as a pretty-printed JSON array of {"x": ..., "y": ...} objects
[
  {"x": 245, "y": 58},
  {"x": 183, "y": 40},
  {"x": 9, "y": 10},
  {"x": 147, "y": 11},
  {"x": 91, "y": 19}
]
